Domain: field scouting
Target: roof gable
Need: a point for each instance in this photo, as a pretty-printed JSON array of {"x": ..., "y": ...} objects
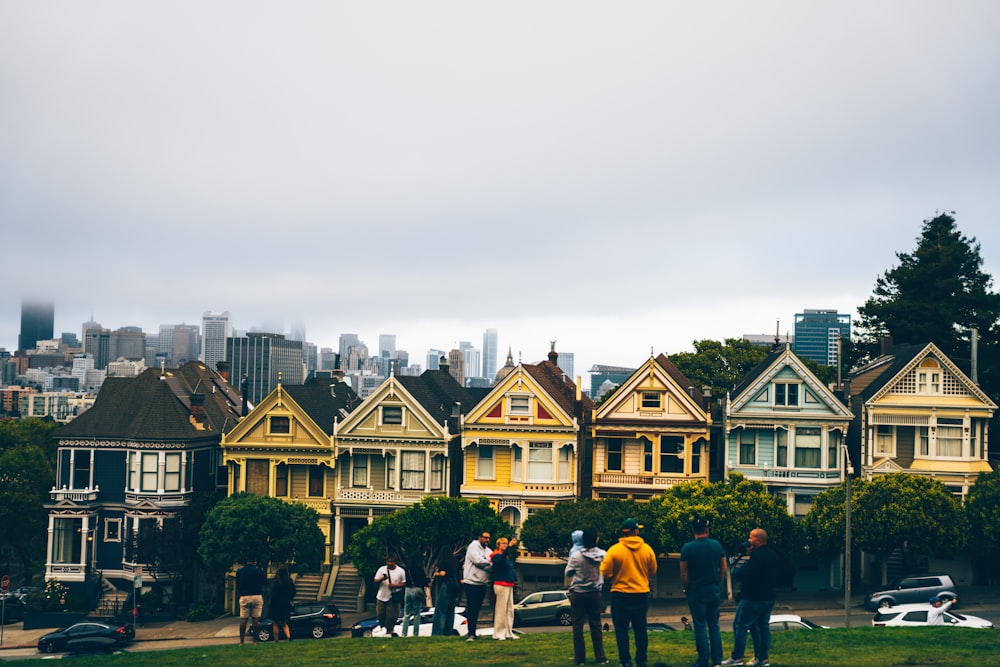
[
  {"x": 523, "y": 398},
  {"x": 902, "y": 377},
  {"x": 657, "y": 390},
  {"x": 754, "y": 393},
  {"x": 370, "y": 419},
  {"x": 261, "y": 426}
]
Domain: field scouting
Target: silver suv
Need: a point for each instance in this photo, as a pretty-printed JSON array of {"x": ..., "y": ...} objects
[{"x": 915, "y": 588}]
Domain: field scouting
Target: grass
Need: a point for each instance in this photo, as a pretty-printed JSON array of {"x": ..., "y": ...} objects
[{"x": 856, "y": 647}]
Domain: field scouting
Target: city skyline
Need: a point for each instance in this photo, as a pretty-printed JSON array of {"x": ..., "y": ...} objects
[{"x": 623, "y": 180}]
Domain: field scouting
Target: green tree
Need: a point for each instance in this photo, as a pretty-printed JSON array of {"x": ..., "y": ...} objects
[
  {"x": 266, "y": 528},
  {"x": 935, "y": 294},
  {"x": 734, "y": 507},
  {"x": 982, "y": 507},
  {"x": 550, "y": 530},
  {"x": 434, "y": 522},
  {"x": 719, "y": 366},
  {"x": 26, "y": 476},
  {"x": 824, "y": 527},
  {"x": 909, "y": 512},
  {"x": 29, "y": 431}
]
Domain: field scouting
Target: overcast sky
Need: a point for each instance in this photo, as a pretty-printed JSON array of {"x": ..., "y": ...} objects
[{"x": 619, "y": 177}]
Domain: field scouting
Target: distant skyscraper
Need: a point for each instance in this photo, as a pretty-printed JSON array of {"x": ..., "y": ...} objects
[
  {"x": 565, "y": 363},
  {"x": 434, "y": 359},
  {"x": 456, "y": 366},
  {"x": 327, "y": 359},
  {"x": 185, "y": 344},
  {"x": 490, "y": 353},
  {"x": 97, "y": 344},
  {"x": 817, "y": 332},
  {"x": 260, "y": 357},
  {"x": 347, "y": 341},
  {"x": 604, "y": 377},
  {"x": 128, "y": 342},
  {"x": 215, "y": 329},
  {"x": 387, "y": 346},
  {"x": 470, "y": 359},
  {"x": 37, "y": 321}
]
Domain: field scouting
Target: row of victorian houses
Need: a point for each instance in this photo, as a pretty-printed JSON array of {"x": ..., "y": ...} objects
[{"x": 530, "y": 441}]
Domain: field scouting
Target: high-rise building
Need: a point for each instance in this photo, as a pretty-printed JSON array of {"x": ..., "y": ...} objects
[
  {"x": 184, "y": 345},
  {"x": 327, "y": 359},
  {"x": 387, "y": 346},
  {"x": 37, "y": 323},
  {"x": 97, "y": 343},
  {"x": 566, "y": 363},
  {"x": 490, "y": 353},
  {"x": 470, "y": 359},
  {"x": 347, "y": 340},
  {"x": 817, "y": 333},
  {"x": 260, "y": 358},
  {"x": 434, "y": 359},
  {"x": 215, "y": 329},
  {"x": 128, "y": 342},
  {"x": 456, "y": 365},
  {"x": 603, "y": 378}
]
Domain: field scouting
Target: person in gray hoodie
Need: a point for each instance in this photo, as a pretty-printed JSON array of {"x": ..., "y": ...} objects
[{"x": 584, "y": 565}]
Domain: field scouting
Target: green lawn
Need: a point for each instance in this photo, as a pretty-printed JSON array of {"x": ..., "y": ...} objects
[{"x": 857, "y": 647}]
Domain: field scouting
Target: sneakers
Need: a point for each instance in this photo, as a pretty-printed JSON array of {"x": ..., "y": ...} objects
[
  {"x": 758, "y": 663},
  {"x": 731, "y": 662}
]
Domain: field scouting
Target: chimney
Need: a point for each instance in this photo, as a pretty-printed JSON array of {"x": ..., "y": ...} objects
[
  {"x": 198, "y": 408},
  {"x": 222, "y": 368},
  {"x": 443, "y": 365},
  {"x": 974, "y": 339},
  {"x": 885, "y": 345},
  {"x": 553, "y": 355}
]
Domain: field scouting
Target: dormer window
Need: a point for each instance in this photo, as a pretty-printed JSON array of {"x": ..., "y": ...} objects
[
  {"x": 651, "y": 400},
  {"x": 929, "y": 382},
  {"x": 392, "y": 414},
  {"x": 520, "y": 405},
  {"x": 280, "y": 425},
  {"x": 786, "y": 394}
]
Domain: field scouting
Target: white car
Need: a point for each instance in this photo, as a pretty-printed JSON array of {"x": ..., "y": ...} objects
[
  {"x": 782, "y": 622},
  {"x": 906, "y": 615},
  {"x": 427, "y": 623}
]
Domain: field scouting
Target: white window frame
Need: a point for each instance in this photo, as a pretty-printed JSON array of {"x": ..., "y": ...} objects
[
  {"x": 172, "y": 478},
  {"x": 356, "y": 465},
  {"x": 486, "y": 467},
  {"x": 437, "y": 472},
  {"x": 745, "y": 437},
  {"x": 519, "y": 405},
  {"x": 885, "y": 442},
  {"x": 392, "y": 415},
  {"x": 565, "y": 462},
  {"x": 539, "y": 467},
  {"x": 412, "y": 471},
  {"x": 147, "y": 475},
  {"x": 781, "y": 398}
]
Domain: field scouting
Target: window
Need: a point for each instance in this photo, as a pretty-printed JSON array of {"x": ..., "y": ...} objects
[
  {"x": 929, "y": 382},
  {"x": 786, "y": 394},
  {"x": 133, "y": 471},
  {"x": 515, "y": 470},
  {"x": 884, "y": 441},
  {"x": 696, "y": 450},
  {"x": 412, "y": 465},
  {"x": 781, "y": 445},
  {"x": 437, "y": 472},
  {"x": 540, "y": 461},
  {"x": 112, "y": 530},
  {"x": 359, "y": 470},
  {"x": 149, "y": 476},
  {"x": 280, "y": 425},
  {"x": 281, "y": 480},
  {"x": 672, "y": 453},
  {"x": 520, "y": 405},
  {"x": 484, "y": 462},
  {"x": 652, "y": 400},
  {"x": 949, "y": 437},
  {"x": 317, "y": 475},
  {"x": 614, "y": 454},
  {"x": 390, "y": 471},
  {"x": 832, "y": 448},
  {"x": 67, "y": 538},
  {"x": 807, "y": 448},
  {"x": 564, "y": 459},
  {"x": 647, "y": 455},
  {"x": 748, "y": 447},
  {"x": 172, "y": 472},
  {"x": 81, "y": 469},
  {"x": 392, "y": 414}
]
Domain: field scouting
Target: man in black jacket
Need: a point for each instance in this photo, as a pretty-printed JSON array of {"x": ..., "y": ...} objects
[{"x": 757, "y": 577}]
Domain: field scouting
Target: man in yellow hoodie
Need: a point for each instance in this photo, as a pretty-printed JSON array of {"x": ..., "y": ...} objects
[{"x": 629, "y": 565}]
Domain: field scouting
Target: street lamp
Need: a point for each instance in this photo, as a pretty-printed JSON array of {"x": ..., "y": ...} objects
[{"x": 847, "y": 536}]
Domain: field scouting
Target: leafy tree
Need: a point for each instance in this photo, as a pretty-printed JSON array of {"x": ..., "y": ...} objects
[
  {"x": 269, "y": 529},
  {"x": 982, "y": 507},
  {"x": 26, "y": 476},
  {"x": 734, "y": 507},
  {"x": 720, "y": 366},
  {"x": 549, "y": 530},
  {"x": 934, "y": 295},
  {"x": 425, "y": 527},
  {"x": 824, "y": 527},
  {"x": 910, "y": 512},
  {"x": 30, "y": 431}
]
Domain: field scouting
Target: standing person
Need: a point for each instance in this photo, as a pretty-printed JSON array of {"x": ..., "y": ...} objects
[
  {"x": 391, "y": 580},
  {"x": 585, "y": 603},
  {"x": 703, "y": 571},
  {"x": 414, "y": 598},
  {"x": 504, "y": 578},
  {"x": 282, "y": 594},
  {"x": 446, "y": 577},
  {"x": 475, "y": 575},
  {"x": 250, "y": 582},
  {"x": 757, "y": 577},
  {"x": 630, "y": 564},
  {"x": 935, "y": 616}
]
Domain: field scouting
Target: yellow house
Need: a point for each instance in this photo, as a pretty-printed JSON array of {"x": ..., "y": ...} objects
[
  {"x": 522, "y": 442},
  {"x": 917, "y": 412},
  {"x": 650, "y": 433},
  {"x": 284, "y": 448}
]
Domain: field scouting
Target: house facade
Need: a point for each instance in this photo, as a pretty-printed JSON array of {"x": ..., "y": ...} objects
[
  {"x": 284, "y": 447},
  {"x": 787, "y": 429},
  {"x": 127, "y": 470},
  {"x": 651, "y": 433}
]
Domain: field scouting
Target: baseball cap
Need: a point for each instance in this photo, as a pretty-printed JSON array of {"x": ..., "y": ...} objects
[
  {"x": 631, "y": 524},
  {"x": 700, "y": 524}
]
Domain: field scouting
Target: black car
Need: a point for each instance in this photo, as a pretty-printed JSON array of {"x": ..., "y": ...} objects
[
  {"x": 84, "y": 635},
  {"x": 13, "y": 609},
  {"x": 308, "y": 619}
]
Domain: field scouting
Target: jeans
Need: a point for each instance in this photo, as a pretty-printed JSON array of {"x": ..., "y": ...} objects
[
  {"x": 413, "y": 604},
  {"x": 474, "y": 596},
  {"x": 707, "y": 635},
  {"x": 586, "y": 607},
  {"x": 444, "y": 609},
  {"x": 630, "y": 608},
  {"x": 755, "y": 616}
]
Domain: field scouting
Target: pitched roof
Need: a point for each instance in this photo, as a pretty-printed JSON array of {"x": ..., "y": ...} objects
[
  {"x": 682, "y": 381},
  {"x": 437, "y": 391},
  {"x": 323, "y": 399},
  {"x": 757, "y": 371},
  {"x": 160, "y": 405},
  {"x": 562, "y": 390}
]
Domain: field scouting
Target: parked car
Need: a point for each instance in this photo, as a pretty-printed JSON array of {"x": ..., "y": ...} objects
[
  {"x": 365, "y": 627},
  {"x": 543, "y": 607},
  {"x": 308, "y": 619},
  {"x": 24, "y": 591},
  {"x": 912, "y": 589},
  {"x": 656, "y": 626},
  {"x": 905, "y": 615},
  {"x": 783, "y": 622},
  {"x": 84, "y": 635},
  {"x": 13, "y": 609}
]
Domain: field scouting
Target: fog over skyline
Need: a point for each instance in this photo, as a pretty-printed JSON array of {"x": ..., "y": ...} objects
[{"x": 620, "y": 178}]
